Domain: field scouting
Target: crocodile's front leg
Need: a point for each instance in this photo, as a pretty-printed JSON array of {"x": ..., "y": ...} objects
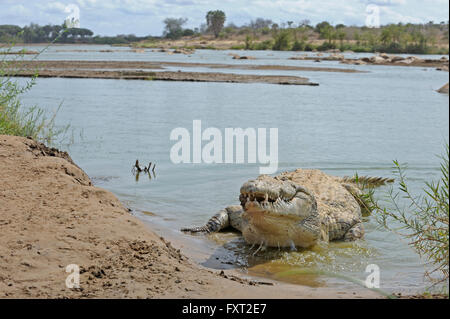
[{"x": 231, "y": 216}]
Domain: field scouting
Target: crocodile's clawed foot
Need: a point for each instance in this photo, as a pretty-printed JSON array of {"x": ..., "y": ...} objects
[{"x": 201, "y": 229}]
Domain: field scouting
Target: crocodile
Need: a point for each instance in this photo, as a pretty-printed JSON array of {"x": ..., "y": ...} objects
[{"x": 296, "y": 209}]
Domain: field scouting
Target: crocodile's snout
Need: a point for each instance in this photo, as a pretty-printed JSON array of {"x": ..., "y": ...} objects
[
  {"x": 269, "y": 194},
  {"x": 278, "y": 212}
]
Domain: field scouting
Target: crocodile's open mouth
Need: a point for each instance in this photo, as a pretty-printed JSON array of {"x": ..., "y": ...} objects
[
  {"x": 275, "y": 196},
  {"x": 264, "y": 201}
]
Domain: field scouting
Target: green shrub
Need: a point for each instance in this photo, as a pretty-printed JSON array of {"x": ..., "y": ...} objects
[
  {"x": 326, "y": 46},
  {"x": 281, "y": 41},
  {"x": 248, "y": 42},
  {"x": 188, "y": 32},
  {"x": 14, "y": 118},
  {"x": 237, "y": 47},
  {"x": 309, "y": 47},
  {"x": 424, "y": 221},
  {"x": 299, "y": 46},
  {"x": 265, "y": 45}
]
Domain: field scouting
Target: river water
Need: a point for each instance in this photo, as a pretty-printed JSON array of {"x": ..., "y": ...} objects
[{"x": 352, "y": 122}]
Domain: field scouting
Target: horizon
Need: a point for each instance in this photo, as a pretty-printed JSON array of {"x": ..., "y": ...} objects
[{"x": 109, "y": 18}]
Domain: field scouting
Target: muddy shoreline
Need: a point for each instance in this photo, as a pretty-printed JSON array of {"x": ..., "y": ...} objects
[
  {"x": 135, "y": 70},
  {"x": 169, "y": 76},
  {"x": 162, "y": 64},
  {"x": 102, "y": 70}
]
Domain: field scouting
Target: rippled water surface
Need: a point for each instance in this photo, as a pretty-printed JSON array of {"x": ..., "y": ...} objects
[{"x": 350, "y": 123}]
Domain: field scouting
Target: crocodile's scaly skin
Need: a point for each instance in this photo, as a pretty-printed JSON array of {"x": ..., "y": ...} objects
[{"x": 296, "y": 208}]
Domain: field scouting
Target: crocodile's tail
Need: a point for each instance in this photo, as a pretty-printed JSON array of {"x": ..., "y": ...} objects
[
  {"x": 218, "y": 222},
  {"x": 368, "y": 181}
]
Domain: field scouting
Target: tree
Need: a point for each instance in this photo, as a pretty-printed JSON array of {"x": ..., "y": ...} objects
[
  {"x": 328, "y": 32},
  {"x": 341, "y": 36},
  {"x": 173, "y": 28},
  {"x": 281, "y": 41},
  {"x": 215, "y": 21},
  {"x": 321, "y": 26}
]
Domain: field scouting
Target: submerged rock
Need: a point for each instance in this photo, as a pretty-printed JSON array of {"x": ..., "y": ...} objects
[{"x": 244, "y": 57}]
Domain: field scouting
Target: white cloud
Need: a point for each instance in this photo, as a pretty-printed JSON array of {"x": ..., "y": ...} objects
[
  {"x": 54, "y": 7},
  {"x": 387, "y": 15},
  {"x": 19, "y": 10}
]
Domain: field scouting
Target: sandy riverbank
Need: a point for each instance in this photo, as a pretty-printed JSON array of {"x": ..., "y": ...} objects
[
  {"x": 156, "y": 65},
  {"x": 170, "y": 76},
  {"x": 52, "y": 216},
  {"x": 102, "y": 70}
]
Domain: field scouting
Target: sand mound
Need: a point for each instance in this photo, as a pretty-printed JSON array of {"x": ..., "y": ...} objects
[{"x": 52, "y": 216}]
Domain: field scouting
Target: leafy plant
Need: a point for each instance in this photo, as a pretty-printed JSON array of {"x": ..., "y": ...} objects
[
  {"x": 424, "y": 221},
  {"x": 14, "y": 119},
  {"x": 281, "y": 41}
]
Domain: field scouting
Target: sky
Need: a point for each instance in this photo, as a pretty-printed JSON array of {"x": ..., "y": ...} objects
[{"x": 145, "y": 17}]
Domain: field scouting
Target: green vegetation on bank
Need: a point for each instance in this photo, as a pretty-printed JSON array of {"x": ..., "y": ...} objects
[
  {"x": 263, "y": 34},
  {"x": 35, "y": 33},
  {"x": 423, "y": 219},
  {"x": 259, "y": 34},
  {"x": 17, "y": 120},
  {"x": 393, "y": 38}
]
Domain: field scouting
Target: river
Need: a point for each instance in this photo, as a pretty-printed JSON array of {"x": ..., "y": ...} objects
[{"x": 352, "y": 122}]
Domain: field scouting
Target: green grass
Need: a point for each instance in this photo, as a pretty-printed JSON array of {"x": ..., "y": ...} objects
[{"x": 15, "y": 118}]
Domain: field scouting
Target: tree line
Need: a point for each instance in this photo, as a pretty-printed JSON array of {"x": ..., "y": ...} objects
[
  {"x": 264, "y": 34},
  {"x": 35, "y": 33}
]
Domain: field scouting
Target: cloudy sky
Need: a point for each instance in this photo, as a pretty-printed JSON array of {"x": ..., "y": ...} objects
[{"x": 144, "y": 17}]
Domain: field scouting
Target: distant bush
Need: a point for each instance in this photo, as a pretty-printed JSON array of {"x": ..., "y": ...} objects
[
  {"x": 237, "y": 47},
  {"x": 265, "y": 31},
  {"x": 281, "y": 41},
  {"x": 309, "y": 47},
  {"x": 298, "y": 46},
  {"x": 188, "y": 32},
  {"x": 326, "y": 46},
  {"x": 264, "y": 45}
]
